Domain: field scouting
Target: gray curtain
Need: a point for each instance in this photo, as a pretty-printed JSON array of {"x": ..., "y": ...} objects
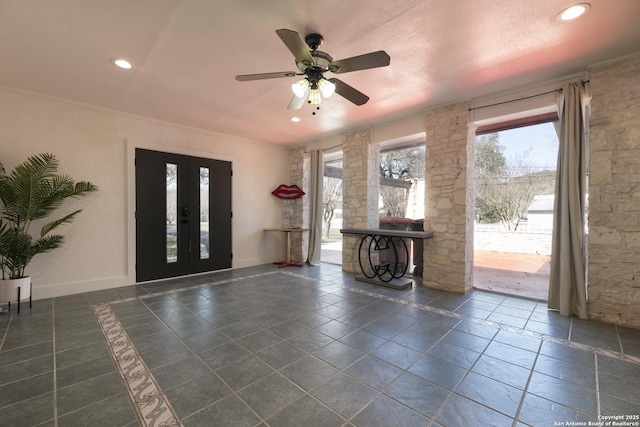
[
  {"x": 567, "y": 286},
  {"x": 316, "y": 190}
]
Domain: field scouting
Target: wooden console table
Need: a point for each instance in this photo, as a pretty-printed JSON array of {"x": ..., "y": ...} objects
[
  {"x": 287, "y": 245},
  {"x": 379, "y": 254}
]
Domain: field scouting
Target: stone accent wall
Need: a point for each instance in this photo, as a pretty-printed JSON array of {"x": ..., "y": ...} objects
[
  {"x": 296, "y": 212},
  {"x": 449, "y": 200},
  {"x": 614, "y": 193},
  {"x": 360, "y": 192}
]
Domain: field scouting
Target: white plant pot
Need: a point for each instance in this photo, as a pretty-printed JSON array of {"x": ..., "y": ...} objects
[{"x": 9, "y": 289}]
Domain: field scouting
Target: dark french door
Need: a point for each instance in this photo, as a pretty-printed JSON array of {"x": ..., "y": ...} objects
[{"x": 183, "y": 215}]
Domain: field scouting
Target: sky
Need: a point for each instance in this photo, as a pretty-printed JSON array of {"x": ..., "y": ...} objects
[{"x": 539, "y": 142}]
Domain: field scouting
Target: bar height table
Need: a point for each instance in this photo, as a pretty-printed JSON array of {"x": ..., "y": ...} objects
[{"x": 287, "y": 245}]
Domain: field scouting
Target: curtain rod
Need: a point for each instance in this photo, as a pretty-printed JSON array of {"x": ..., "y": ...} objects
[
  {"x": 518, "y": 99},
  {"x": 331, "y": 148},
  {"x": 524, "y": 97},
  {"x": 325, "y": 149}
]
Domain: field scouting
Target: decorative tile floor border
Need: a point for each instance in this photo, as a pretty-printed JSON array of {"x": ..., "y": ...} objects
[
  {"x": 191, "y": 288},
  {"x": 154, "y": 409}
]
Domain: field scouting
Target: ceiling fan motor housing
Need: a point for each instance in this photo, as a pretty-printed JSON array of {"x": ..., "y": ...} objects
[
  {"x": 321, "y": 61},
  {"x": 313, "y": 40}
]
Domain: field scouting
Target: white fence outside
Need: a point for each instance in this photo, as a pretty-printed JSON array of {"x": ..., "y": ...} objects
[{"x": 496, "y": 238}]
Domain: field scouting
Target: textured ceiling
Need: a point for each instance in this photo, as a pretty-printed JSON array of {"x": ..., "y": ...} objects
[{"x": 187, "y": 52}]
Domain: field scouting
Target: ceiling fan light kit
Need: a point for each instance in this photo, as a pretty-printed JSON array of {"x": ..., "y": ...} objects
[
  {"x": 326, "y": 87},
  {"x": 313, "y": 63},
  {"x": 314, "y": 97},
  {"x": 301, "y": 88}
]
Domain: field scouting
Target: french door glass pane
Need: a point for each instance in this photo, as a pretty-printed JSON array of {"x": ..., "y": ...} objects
[
  {"x": 204, "y": 213},
  {"x": 172, "y": 213}
]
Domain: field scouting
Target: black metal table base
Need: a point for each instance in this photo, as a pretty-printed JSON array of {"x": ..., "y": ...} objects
[{"x": 383, "y": 255}]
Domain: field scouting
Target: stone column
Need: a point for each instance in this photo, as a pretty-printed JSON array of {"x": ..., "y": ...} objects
[
  {"x": 449, "y": 199},
  {"x": 360, "y": 192},
  {"x": 296, "y": 211},
  {"x": 614, "y": 193}
]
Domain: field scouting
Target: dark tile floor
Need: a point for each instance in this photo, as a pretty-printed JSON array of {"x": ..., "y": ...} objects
[{"x": 309, "y": 347}]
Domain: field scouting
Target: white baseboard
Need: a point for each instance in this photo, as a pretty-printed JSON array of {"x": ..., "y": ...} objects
[
  {"x": 252, "y": 262},
  {"x": 63, "y": 289}
]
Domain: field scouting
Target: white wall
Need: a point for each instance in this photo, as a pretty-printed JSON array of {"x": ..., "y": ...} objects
[{"x": 95, "y": 144}]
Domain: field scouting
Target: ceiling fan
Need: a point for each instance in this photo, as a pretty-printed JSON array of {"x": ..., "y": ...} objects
[{"x": 313, "y": 64}]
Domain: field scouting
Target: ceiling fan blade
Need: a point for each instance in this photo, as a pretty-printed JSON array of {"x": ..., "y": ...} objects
[
  {"x": 296, "y": 102},
  {"x": 295, "y": 44},
  {"x": 349, "y": 92},
  {"x": 361, "y": 62},
  {"x": 262, "y": 76}
]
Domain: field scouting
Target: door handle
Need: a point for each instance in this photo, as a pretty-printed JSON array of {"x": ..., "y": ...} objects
[{"x": 185, "y": 214}]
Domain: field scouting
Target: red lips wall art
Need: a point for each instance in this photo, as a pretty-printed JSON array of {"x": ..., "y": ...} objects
[{"x": 288, "y": 192}]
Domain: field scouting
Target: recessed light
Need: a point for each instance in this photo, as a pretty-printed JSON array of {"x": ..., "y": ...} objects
[
  {"x": 295, "y": 119},
  {"x": 574, "y": 11},
  {"x": 122, "y": 63}
]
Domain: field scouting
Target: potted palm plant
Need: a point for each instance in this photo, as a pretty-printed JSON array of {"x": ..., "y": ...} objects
[{"x": 31, "y": 192}]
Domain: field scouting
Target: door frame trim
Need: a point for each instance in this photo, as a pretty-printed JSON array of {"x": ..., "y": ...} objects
[{"x": 130, "y": 149}]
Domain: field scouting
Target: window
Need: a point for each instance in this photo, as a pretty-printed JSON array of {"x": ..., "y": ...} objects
[
  {"x": 402, "y": 182},
  {"x": 172, "y": 213}
]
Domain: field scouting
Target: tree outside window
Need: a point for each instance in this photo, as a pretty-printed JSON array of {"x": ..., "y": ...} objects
[{"x": 505, "y": 187}]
